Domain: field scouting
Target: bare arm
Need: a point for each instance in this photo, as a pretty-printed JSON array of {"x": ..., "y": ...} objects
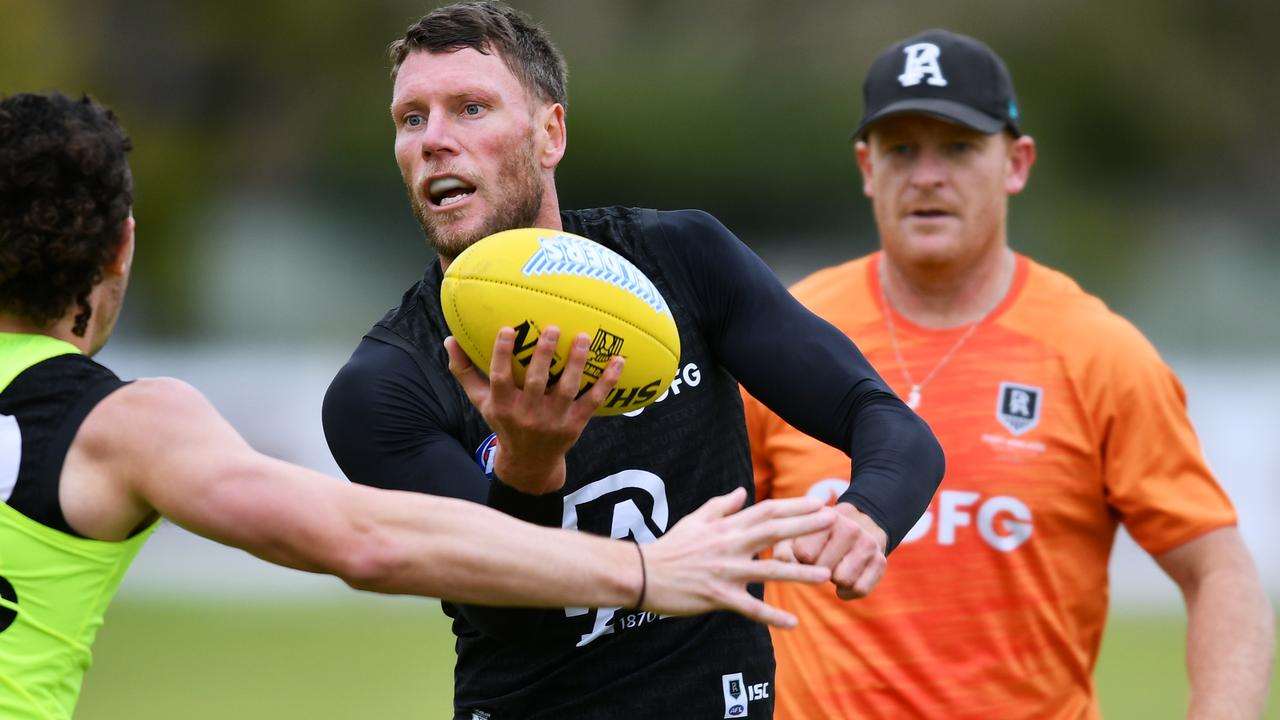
[
  {"x": 160, "y": 444},
  {"x": 1230, "y": 625}
]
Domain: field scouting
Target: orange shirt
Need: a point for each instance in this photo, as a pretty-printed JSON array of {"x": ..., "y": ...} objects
[{"x": 1059, "y": 421}]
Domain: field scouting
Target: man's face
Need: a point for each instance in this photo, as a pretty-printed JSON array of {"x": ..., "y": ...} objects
[
  {"x": 940, "y": 190},
  {"x": 472, "y": 147}
]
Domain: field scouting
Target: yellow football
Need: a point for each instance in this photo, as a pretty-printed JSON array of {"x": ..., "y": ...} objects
[{"x": 530, "y": 278}]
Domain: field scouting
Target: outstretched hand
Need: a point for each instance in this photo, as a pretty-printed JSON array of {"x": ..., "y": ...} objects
[
  {"x": 705, "y": 561},
  {"x": 536, "y": 424}
]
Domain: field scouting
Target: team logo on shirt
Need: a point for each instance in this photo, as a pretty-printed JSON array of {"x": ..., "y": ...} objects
[
  {"x": 631, "y": 504},
  {"x": 1018, "y": 407},
  {"x": 486, "y": 453},
  {"x": 737, "y": 694},
  {"x": 735, "y": 700}
]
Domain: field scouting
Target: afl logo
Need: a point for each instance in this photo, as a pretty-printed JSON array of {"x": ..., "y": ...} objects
[
  {"x": 736, "y": 710},
  {"x": 486, "y": 453}
]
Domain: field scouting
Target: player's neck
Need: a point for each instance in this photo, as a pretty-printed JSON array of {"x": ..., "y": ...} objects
[
  {"x": 941, "y": 298},
  {"x": 60, "y": 330}
]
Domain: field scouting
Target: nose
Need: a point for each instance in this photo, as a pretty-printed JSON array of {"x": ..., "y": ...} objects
[
  {"x": 929, "y": 170},
  {"x": 438, "y": 137}
]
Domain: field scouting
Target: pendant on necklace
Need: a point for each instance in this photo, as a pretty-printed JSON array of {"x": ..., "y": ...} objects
[{"x": 913, "y": 397}]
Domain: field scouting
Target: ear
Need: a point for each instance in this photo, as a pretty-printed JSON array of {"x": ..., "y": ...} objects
[
  {"x": 1022, "y": 155},
  {"x": 554, "y": 134},
  {"x": 123, "y": 260},
  {"x": 862, "y": 152}
]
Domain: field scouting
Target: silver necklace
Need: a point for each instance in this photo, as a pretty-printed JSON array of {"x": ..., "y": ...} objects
[{"x": 914, "y": 394}]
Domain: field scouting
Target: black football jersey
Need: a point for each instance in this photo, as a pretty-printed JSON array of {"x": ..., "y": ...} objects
[{"x": 395, "y": 417}]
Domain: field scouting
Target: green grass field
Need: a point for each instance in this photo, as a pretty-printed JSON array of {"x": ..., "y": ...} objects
[{"x": 376, "y": 657}]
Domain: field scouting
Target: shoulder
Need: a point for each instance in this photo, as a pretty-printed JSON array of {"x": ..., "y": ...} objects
[
  {"x": 60, "y": 374},
  {"x": 1055, "y": 310},
  {"x": 608, "y": 223},
  {"x": 833, "y": 286},
  {"x": 149, "y": 402},
  {"x": 378, "y": 370},
  {"x": 145, "y": 415},
  {"x": 694, "y": 223}
]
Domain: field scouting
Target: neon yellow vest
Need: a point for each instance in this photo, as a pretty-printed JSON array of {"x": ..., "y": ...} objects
[{"x": 62, "y": 585}]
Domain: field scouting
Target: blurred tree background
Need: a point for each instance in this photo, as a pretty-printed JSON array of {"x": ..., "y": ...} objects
[{"x": 269, "y": 205}]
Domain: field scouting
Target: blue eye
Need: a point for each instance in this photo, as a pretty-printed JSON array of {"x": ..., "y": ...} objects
[
  {"x": 472, "y": 109},
  {"x": 413, "y": 120}
]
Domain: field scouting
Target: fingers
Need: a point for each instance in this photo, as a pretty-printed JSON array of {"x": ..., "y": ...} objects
[
  {"x": 779, "y": 570},
  {"x": 858, "y": 573},
  {"x": 537, "y": 374},
  {"x": 721, "y": 505},
  {"x": 776, "y": 508},
  {"x": 853, "y": 550},
  {"x": 569, "y": 381},
  {"x": 807, "y": 548},
  {"x": 784, "y": 551},
  {"x": 840, "y": 542},
  {"x": 501, "y": 382},
  {"x": 765, "y": 534},
  {"x": 595, "y": 397},
  {"x": 743, "y": 602},
  {"x": 468, "y": 376}
]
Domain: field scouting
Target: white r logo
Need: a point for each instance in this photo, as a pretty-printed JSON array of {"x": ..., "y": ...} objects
[
  {"x": 628, "y": 519},
  {"x": 922, "y": 59}
]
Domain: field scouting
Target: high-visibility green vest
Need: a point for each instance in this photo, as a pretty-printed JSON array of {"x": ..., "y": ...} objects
[{"x": 54, "y": 587}]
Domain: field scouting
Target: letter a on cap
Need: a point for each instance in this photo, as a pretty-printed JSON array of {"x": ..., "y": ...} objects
[{"x": 922, "y": 59}]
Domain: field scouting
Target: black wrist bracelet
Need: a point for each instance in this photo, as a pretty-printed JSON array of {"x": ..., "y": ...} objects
[{"x": 644, "y": 578}]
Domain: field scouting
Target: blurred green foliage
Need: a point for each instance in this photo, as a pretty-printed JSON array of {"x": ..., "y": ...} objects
[{"x": 1154, "y": 118}]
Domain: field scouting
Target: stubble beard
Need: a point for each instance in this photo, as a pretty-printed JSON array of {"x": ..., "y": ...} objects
[{"x": 517, "y": 203}]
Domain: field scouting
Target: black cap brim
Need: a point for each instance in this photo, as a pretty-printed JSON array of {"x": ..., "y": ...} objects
[{"x": 945, "y": 109}]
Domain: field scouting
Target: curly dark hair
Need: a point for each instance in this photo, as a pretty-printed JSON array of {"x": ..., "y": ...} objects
[
  {"x": 66, "y": 190},
  {"x": 488, "y": 26}
]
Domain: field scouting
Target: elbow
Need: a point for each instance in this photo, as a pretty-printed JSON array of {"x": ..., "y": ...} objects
[
  {"x": 933, "y": 461},
  {"x": 370, "y": 562}
]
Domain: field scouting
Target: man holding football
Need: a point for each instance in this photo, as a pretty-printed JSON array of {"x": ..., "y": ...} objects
[
  {"x": 1060, "y": 423},
  {"x": 478, "y": 104},
  {"x": 89, "y": 463}
]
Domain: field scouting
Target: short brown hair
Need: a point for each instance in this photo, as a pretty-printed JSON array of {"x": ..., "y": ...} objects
[
  {"x": 488, "y": 27},
  {"x": 67, "y": 189}
]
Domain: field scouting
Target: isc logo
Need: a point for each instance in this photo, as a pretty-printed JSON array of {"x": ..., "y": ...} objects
[{"x": 1002, "y": 521}]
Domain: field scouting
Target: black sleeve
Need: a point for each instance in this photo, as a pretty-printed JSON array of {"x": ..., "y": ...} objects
[
  {"x": 808, "y": 372},
  {"x": 386, "y": 428}
]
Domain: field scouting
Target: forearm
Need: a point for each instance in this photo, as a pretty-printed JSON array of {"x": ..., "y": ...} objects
[
  {"x": 1230, "y": 645},
  {"x": 471, "y": 554},
  {"x": 897, "y": 466}
]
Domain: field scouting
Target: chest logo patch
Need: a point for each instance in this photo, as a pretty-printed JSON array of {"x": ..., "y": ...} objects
[
  {"x": 486, "y": 453},
  {"x": 1018, "y": 406}
]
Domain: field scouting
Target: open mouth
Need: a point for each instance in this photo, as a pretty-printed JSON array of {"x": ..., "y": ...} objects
[
  {"x": 929, "y": 213},
  {"x": 446, "y": 191}
]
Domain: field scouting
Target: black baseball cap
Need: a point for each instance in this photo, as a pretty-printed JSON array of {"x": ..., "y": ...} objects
[{"x": 944, "y": 74}]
